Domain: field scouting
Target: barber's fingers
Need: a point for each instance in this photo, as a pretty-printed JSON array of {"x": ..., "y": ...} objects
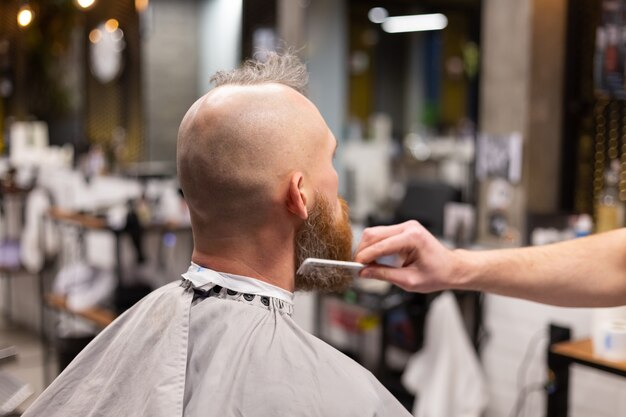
[
  {"x": 406, "y": 240},
  {"x": 372, "y": 235},
  {"x": 393, "y": 245},
  {"x": 407, "y": 279},
  {"x": 375, "y": 234}
]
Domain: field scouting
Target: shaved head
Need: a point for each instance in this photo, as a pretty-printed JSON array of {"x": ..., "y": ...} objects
[
  {"x": 238, "y": 143},
  {"x": 255, "y": 163}
]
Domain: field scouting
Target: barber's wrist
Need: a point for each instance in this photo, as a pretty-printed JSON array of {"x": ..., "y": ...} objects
[{"x": 465, "y": 267}]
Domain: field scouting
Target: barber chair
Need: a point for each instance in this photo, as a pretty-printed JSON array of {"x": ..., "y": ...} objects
[
  {"x": 13, "y": 392},
  {"x": 402, "y": 330},
  {"x": 403, "y": 322}
]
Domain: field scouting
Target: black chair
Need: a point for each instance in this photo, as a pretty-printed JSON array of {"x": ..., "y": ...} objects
[
  {"x": 425, "y": 202},
  {"x": 403, "y": 323}
]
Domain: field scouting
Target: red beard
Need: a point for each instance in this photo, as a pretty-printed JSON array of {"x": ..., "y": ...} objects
[{"x": 324, "y": 236}]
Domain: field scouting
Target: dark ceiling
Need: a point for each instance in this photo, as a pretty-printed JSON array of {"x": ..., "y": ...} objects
[{"x": 397, "y": 7}]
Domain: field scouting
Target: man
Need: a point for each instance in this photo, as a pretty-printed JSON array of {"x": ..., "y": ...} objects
[
  {"x": 255, "y": 164},
  {"x": 585, "y": 272}
]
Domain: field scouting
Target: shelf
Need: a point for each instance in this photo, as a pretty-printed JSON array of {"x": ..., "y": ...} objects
[
  {"x": 100, "y": 316},
  {"x": 85, "y": 220},
  {"x": 89, "y": 221}
]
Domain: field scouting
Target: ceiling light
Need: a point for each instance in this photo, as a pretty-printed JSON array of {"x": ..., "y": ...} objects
[
  {"x": 111, "y": 25},
  {"x": 377, "y": 14},
  {"x": 95, "y": 35},
  {"x": 415, "y": 23},
  {"x": 141, "y": 5},
  {"x": 117, "y": 35},
  {"x": 85, "y": 4},
  {"x": 24, "y": 16}
]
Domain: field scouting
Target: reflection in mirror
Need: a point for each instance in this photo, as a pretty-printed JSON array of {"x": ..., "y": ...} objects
[{"x": 106, "y": 51}]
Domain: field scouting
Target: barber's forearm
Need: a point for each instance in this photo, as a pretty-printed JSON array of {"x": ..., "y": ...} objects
[{"x": 587, "y": 272}]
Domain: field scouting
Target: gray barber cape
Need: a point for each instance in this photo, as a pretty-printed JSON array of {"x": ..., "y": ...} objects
[{"x": 213, "y": 344}]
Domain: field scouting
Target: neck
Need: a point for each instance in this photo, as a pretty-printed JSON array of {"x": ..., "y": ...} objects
[{"x": 263, "y": 257}]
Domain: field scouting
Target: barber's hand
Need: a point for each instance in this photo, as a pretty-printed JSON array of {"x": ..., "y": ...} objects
[{"x": 426, "y": 265}]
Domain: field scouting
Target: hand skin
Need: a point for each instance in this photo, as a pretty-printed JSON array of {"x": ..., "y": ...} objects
[{"x": 584, "y": 272}]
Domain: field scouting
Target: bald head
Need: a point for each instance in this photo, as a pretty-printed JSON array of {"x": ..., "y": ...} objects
[{"x": 237, "y": 146}]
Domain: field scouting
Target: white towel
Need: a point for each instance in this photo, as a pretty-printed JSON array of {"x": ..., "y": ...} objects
[
  {"x": 446, "y": 374},
  {"x": 32, "y": 255}
]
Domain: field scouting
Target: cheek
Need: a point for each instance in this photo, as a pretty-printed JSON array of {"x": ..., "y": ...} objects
[
  {"x": 334, "y": 181},
  {"x": 338, "y": 211},
  {"x": 329, "y": 185},
  {"x": 332, "y": 188},
  {"x": 344, "y": 210}
]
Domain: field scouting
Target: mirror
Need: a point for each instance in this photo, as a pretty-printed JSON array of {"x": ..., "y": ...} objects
[{"x": 106, "y": 49}]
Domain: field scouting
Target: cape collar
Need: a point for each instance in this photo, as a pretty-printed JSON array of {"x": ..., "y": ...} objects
[{"x": 200, "y": 276}]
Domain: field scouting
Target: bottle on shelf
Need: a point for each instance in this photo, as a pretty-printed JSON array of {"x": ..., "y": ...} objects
[{"x": 609, "y": 209}]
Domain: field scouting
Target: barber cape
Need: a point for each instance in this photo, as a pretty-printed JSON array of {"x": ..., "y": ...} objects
[{"x": 214, "y": 344}]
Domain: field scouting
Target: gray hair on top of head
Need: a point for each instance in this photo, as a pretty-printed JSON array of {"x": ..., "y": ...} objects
[{"x": 281, "y": 68}]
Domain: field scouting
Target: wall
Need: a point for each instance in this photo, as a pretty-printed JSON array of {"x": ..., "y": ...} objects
[
  {"x": 219, "y": 37},
  {"x": 113, "y": 111},
  {"x": 324, "y": 51},
  {"x": 523, "y": 51},
  {"x": 326, "y": 32},
  {"x": 544, "y": 124},
  {"x": 170, "y": 72},
  {"x": 184, "y": 43},
  {"x": 414, "y": 83},
  {"x": 518, "y": 328},
  {"x": 522, "y": 65},
  {"x": 504, "y": 84}
]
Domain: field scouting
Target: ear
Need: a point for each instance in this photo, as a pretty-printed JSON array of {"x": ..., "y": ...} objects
[{"x": 296, "y": 196}]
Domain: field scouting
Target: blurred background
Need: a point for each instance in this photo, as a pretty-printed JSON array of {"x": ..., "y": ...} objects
[{"x": 495, "y": 123}]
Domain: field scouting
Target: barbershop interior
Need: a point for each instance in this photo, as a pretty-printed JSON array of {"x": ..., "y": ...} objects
[{"x": 495, "y": 124}]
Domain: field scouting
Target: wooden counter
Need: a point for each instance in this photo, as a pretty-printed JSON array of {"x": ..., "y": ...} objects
[
  {"x": 560, "y": 356},
  {"x": 582, "y": 350}
]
